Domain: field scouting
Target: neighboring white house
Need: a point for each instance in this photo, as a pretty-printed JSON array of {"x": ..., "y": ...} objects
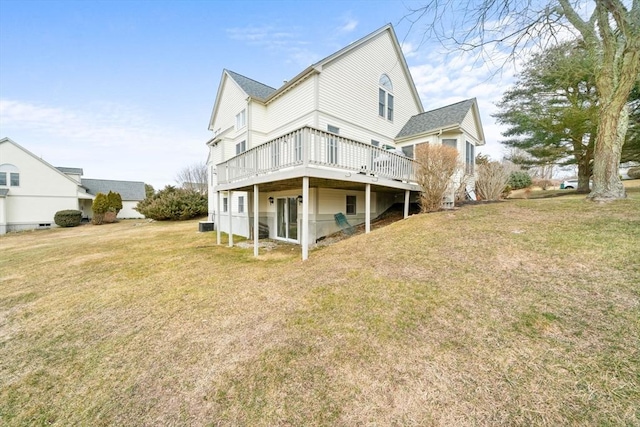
[
  {"x": 32, "y": 190},
  {"x": 131, "y": 193},
  {"x": 338, "y": 138}
]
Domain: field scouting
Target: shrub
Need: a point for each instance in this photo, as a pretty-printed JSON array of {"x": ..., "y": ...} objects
[
  {"x": 68, "y": 218},
  {"x": 115, "y": 201},
  {"x": 491, "y": 180},
  {"x": 634, "y": 173},
  {"x": 100, "y": 206},
  {"x": 519, "y": 179},
  {"x": 171, "y": 204},
  {"x": 436, "y": 166}
]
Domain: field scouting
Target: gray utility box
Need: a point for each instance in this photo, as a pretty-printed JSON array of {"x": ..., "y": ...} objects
[{"x": 206, "y": 226}]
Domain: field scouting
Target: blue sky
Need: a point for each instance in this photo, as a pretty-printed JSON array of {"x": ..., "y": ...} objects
[{"x": 124, "y": 89}]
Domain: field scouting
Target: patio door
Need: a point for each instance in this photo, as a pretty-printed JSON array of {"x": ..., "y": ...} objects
[{"x": 287, "y": 218}]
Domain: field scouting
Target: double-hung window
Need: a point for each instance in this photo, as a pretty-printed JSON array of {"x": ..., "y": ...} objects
[
  {"x": 15, "y": 179},
  {"x": 470, "y": 157},
  {"x": 453, "y": 143},
  {"x": 385, "y": 98},
  {"x": 3, "y": 178},
  {"x": 241, "y": 204},
  {"x": 241, "y": 147},
  {"x": 241, "y": 119},
  {"x": 351, "y": 205},
  {"x": 225, "y": 204},
  {"x": 9, "y": 175},
  {"x": 332, "y": 145}
]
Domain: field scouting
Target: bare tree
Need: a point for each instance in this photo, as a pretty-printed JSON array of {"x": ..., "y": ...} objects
[
  {"x": 610, "y": 31},
  {"x": 193, "y": 177}
]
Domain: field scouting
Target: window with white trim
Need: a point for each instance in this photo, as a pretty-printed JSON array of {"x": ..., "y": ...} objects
[
  {"x": 351, "y": 205},
  {"x": 241, "y": 204},
  {"x": 332, "y": 145},
  {"x": 470, "y": 157},
  {"x": 453, "y": 143},
  {"x": 241, "y": 119},
  {"x": 225, "y": 204},
  {"x": 385, "y": 98},
  {"x": 9, "y": 175},
  {"x": 241, "y": 147}
]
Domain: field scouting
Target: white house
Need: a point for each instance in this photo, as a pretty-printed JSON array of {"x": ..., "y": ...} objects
[
  {"x": 337, "y": 139},
  {"x": 32, "y": 190}
]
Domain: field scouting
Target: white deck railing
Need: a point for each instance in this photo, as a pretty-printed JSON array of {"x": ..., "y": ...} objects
[{"x": 312, "y": 147}]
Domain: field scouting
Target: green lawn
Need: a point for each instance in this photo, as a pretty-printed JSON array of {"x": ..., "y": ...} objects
[{"x": 525, "y": 312}]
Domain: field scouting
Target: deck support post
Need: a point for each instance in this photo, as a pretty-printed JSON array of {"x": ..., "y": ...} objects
[
  {"x": 407, "y": 194},
  {"x": 367, "y": 208},
  {"x": 305, "y": 218},
  {"x": 218, "y": 216},
  {"x": 256, "y": 223},
  {"x": 229, "y": 198}
]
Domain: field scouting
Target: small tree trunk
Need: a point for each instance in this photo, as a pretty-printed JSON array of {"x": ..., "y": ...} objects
[{"x": 612, "y": 128}]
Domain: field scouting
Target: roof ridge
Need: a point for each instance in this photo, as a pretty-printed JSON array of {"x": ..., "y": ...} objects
[
  {"x": 248, "y": 78},
  {"x": 448, "y": 106}
]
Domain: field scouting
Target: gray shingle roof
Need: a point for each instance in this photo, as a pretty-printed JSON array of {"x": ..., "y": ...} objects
[
  {"x": 75, "y": 171},
  {"x": 253, "y": 88},
  {"x": 129, "y": 190},
  {"x": 449, "y": 115}
]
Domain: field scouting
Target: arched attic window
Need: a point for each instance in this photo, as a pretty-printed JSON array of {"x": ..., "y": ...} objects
[
  {"x": 385, "y": 98},
  {"x": 9, "y": 175}
]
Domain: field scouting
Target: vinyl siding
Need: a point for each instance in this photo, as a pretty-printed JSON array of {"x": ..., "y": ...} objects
[
  {"x": 232, "y": 101},
  {"x": 469, "y": 124},
  {"x": 284, "y": 113},
  {"x": 350, "y": 91}
]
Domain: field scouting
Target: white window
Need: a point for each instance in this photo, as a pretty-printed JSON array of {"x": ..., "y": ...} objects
[
  {"x": 241, "y": 204},
  {"x": 225, "y": 204},
  {"x": 298, "y": 147},
  {"x": 351, "y": 205},
  {"x": 385, "y": 98},
  {"x": 470, "y": 157},
  {"x": 375, "y": 143},
  {"x": 450, "y": 143},
  {"x": 9, "y": 175},
  {"x": 332, "y": 145},
  {"x": 241, "y": 147},
  {"x": 408, "y": 151},
  {"x": 241, "y": 119}
]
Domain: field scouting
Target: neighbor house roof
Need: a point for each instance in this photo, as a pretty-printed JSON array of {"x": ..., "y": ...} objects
[
  {"x": 252, "y": 88},
  {"x": 451, "y": 115},
  {"x": 129, "y": 190},
  {"x": 75, "y": 171}
]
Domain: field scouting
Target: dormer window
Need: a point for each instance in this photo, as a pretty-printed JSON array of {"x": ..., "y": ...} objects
[
  {"x": 385, "y": 98},
  {"x": 241, "y": 119}
]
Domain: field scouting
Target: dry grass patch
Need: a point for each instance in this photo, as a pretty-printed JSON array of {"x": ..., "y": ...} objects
[{"x": 516, "y": 313}]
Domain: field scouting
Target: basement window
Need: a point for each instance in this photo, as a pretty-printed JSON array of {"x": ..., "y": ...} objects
[{"x": 351, "y": 205}]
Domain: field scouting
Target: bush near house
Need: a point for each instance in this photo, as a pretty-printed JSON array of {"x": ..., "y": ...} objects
[
  {"x": 491, "y": 180},
  {"x": 519, "y": 179},
  {"x": 68, "y": 218},
  {"x": 436, "y": 166},
  {"x": 115, "y": 201},
  {"x": 100, "y": 206},
  {"x": 174, "y": 204}
]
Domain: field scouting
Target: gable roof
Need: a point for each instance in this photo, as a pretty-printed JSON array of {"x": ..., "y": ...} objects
[
  {"x": 265, "y": 93},
  {"x": 443, "y": 117},
  {"x": 75, "y": 171},
  {"x": 251, "y": 87},
  {"x": 9, "y": 140},
  {"x": 129, "y": 190}
]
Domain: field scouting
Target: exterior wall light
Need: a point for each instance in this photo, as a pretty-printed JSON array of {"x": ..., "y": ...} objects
[{"x": 271, "y": 200}]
